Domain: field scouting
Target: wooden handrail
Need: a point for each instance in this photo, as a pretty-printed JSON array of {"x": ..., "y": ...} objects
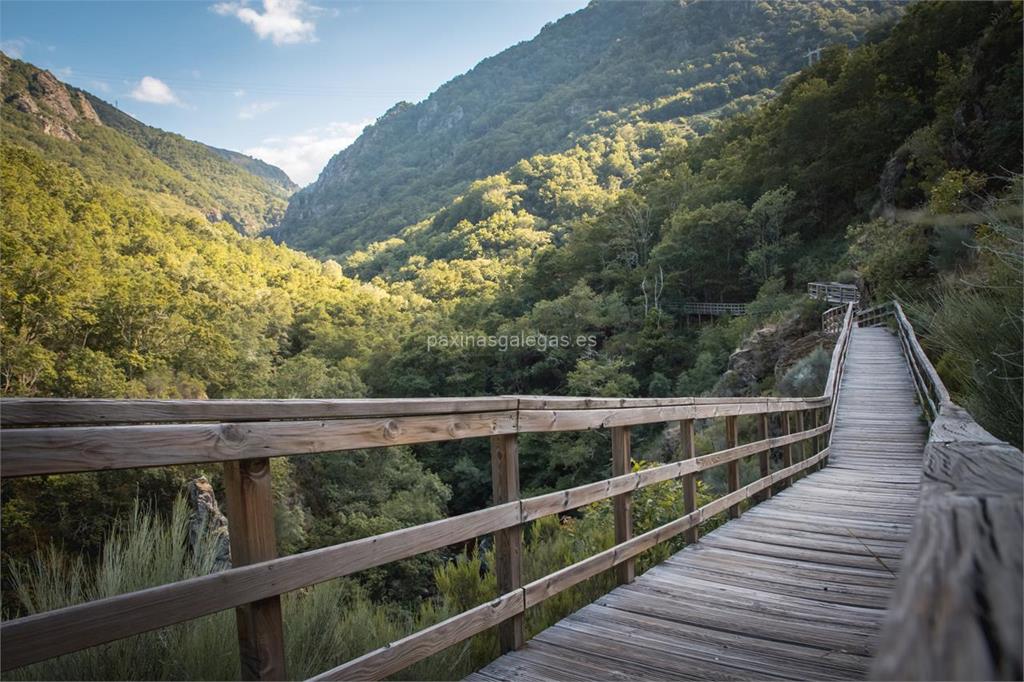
[
  {"x": 957, "y": 609},
  {"x": 833, "y": 292},
  {"x": 45, "y": 436},
  {"x": 71, "y": 449},
  {"x": 712, "y": 308}
]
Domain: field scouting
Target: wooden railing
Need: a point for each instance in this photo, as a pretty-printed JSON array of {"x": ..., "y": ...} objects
[
  {"x": 713, "y": 309},
  {"x": 833, "y": 292},
  {"x": 957, "y": 613},
  {"x": 833, "y": 318},
  {"x": 44, "y": 436}
]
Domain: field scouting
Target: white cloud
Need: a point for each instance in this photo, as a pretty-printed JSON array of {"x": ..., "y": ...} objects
[
  {"x": 15, "y": 47},
  {"x": 303, "y": 156},
  {"x": 239, "y": 93},
  {"x": 65, "y": 72},
  {"x": 283, "y": 21},
  {"x": 154, "y": 91},
  {"x": 102, "y": 86},
  {"x": 254, "y": 109}
]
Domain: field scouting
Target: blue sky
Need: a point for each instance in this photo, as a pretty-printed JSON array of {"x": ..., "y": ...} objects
[{"x": 289, "y": 81}]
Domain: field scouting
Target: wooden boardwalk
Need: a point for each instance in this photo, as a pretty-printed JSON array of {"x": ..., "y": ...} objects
[{"x": 795, "y": 589}]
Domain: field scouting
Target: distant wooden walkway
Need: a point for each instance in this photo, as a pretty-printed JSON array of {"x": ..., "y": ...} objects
[{"x": 794, "y": 589}]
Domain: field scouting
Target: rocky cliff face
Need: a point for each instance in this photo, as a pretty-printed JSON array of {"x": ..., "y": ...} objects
[
  {"x": 770, "y": 352},
  {"x": 49, "y": 101}
]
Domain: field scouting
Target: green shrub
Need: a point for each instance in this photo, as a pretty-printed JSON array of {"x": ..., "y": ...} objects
[
  {"x": 807, "y": 377},
  {"x": 972, "y": 324}
]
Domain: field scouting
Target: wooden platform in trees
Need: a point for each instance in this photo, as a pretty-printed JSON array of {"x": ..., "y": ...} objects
[{"x": 796, "y": 588}]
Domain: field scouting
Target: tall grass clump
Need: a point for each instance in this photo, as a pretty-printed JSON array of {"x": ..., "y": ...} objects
[
  {"x": 143, "y": 550},
  {"x": 972, "y": 324}
]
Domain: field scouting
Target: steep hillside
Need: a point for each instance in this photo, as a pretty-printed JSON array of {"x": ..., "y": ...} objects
[
  {"x": 107, "y": 145},
  {"x": 609, "y": 64},
  {"x": 257, "y": 167}
]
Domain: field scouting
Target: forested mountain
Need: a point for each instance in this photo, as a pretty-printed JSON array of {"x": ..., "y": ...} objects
[
  {"x": 107, "y": 145},
  {"x": 257, "y": 167},
  {"x": 679, "y": 64}
]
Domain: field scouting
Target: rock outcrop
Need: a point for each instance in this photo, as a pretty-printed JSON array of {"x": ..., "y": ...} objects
[
  {"x": 55, "y": 107},
  {"x": 88, "y": 113},
  {"x": 770, "y": 352},
  {"x": 207, "y": 519}
]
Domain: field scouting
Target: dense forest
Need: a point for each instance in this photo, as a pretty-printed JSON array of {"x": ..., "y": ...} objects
[{"x": 893, "y": 162}]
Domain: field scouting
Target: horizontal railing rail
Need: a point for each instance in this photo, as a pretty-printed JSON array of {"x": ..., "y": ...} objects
[
  {"x": 957, "y": 610},
  {"x": 833, "y": 292},
  {"x": 49, "y": 436},
  {"x": 832, "y": 319},
  {"x": 712, "y": 308}
]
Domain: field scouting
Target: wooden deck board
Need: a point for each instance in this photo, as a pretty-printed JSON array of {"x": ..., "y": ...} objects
[{"x": 794, "y": 589}]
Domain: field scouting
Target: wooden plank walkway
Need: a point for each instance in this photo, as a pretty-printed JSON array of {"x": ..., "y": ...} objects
[{"x": 794, "y": 589}]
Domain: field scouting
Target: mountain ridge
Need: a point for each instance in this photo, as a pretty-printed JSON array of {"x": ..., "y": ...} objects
[
  {"x": 677, "y": 64},
  {"x": 41, "y": 112}
]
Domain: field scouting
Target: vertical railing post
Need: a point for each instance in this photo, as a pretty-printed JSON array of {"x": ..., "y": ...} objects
[
  {"x": 688, "y": 450},
  {"x": 820, "y": 440},
  {"x": 787, "y": 452},
  {"x": 250, "y": 500},
  {"x": 623, "y": 504},
  {"x": 508, "y": 543},
  {"x": 764, "y": 459},
  {"x": 800, "y": 421},
  {"x": 732, "y": 469}
]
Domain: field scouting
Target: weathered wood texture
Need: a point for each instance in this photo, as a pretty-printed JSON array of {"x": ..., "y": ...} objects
[
  {"x": 794, "y": 589},
  {"x": 55, "y": 450},
  {"x": 250, "y": 500},
  {"x": 34, "y": 638},
  {"x": 732, "y": 469},
  {"x": 688, "y": 450},
  {"x": 134, "y": 442},
  {"x": 508, "y": 543},
  {"x": 67, "y": 411},
  {"x": 810, "y": 570},
  {"x": 833, "y": 292},
  {"x": 959, "y": 606},
  {"x": 623, "y": 504}
]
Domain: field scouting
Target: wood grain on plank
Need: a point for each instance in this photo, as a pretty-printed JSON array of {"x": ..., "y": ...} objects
[
  {"x": 508, "y": 543},
  {"x": 65, "y": 411},
  {"x": 28, "y": 452},
  {"x": 622, "y": 504},
  {"x": 250, "y": 499}
]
